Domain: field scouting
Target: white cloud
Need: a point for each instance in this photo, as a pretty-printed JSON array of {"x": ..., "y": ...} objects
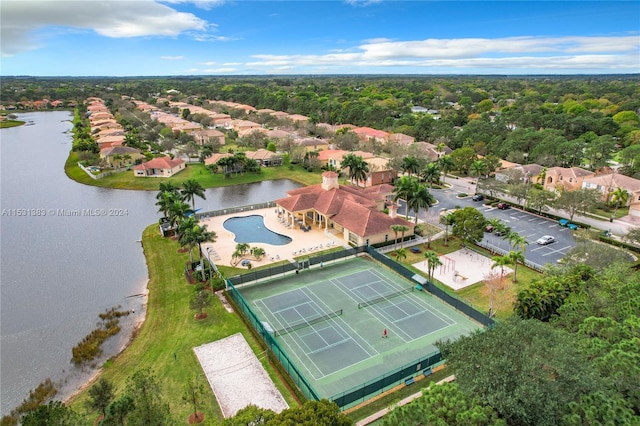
[
  {"x": 534, "y": 53},
  {"x": 202, "y": 4},
  {"x": 172, "y": 58},
  {"x": 110, "y": 18}
]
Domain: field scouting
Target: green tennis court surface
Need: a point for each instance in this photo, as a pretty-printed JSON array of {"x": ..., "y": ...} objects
[{"x": 331, "y": 320}]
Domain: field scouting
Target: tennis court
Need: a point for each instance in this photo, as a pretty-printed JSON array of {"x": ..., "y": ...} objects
[{"x": 330, "y": 320}]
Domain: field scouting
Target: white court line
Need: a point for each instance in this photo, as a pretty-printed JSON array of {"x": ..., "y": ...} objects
[{"x": 418, "y": 305}]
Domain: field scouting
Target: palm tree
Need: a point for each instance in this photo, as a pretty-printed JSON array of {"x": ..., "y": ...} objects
[
  {"x": 185, "y": 234},
  {"x": 396, "y": 229},
  {"x": 358, "y": 168},
  {"x": 517, "y": 241},
  {"x": 410, "y": 165},
  {"x": 446, "y": 163},
  {"x": 177, "y": 211},
  {"x": 447, "y": 220},
  {"x": 501, "y": 262},
  {"x": 619, "y": 197},
  {"x": 202, "y": 235},
  {"x": 242, "y": 248},
  {"x": 478, "y": 168},
  {"x": 433, "y": 261},
  {"x": 420, "y": 198},
  {"x": 165, "y": 201},
  {"x": 403, "y": 188},
  {"x": 431, "y": 173},
  {"x": 516, "y": 257},
  {"x": 403, "y": 229},
  {"x": 168, "y": 186},
  {"x": 401, "y": 254},
  {"x": 190, "y": 189}
]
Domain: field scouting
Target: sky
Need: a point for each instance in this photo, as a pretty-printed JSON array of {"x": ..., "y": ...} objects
[{"x": 282, "y": 37}]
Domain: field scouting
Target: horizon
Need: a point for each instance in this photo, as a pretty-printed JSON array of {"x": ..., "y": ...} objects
[{"x": 225, "y": 38}]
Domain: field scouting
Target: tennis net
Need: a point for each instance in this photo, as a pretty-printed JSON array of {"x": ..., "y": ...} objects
[
  {"x": 307, "y": 323},
  {"x": 385, "y": 297}
]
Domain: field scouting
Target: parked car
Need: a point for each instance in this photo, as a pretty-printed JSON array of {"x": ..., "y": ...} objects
[
  {"x": 572, "y": 226},
  {"x": 488, "y": 228},
  {"x": 478, "y": 197},
  {"x": 503, "y": 206},
  {"x": 502, "y": 232},
  {"x": 563, "y": 222},
  {"x": 547, "y": 239}
]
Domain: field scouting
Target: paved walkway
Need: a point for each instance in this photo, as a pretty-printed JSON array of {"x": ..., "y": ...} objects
[{"x": 376, "y": 416}]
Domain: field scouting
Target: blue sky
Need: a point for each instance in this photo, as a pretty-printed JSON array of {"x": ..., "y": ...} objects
[{"x": 220, "y": 37}]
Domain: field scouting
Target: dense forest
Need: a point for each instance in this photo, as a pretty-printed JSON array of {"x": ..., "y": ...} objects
[{"x": 551, "y": 121}]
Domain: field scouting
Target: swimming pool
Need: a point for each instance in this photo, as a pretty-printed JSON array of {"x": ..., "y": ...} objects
[{"x": 251, "y": 229}]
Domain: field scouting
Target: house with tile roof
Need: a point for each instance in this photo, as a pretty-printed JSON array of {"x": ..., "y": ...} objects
[
  {"x": 159, "y": 167},
  {"x": 313, "y": 144},
  {"x": 431, "y": 151},
  {"x": 264, "y": 157},
  {"x": 401, "y": 139},
  {"x": 354, "y": 214},
  {"x": 527, "y": 173},
  {"x": 610, "y": 182},
  {"x": 379, "y": 172},
  {"x": 115, "y": 155},
  {"x": 565, "y": 178},
  {"x": 207, "y": 136},
  {"x": 366, "y": 134},
  {"x": 215, "y": 157}
]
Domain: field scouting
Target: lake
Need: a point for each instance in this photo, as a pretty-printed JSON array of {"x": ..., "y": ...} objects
[{"x": 59, "y": 271}]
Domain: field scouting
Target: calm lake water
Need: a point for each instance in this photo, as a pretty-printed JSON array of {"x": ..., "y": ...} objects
[{"x": 57, "y": 272}]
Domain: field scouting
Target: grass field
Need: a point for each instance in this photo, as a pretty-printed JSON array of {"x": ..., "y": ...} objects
[
  {"x": 126, "y": 180},
  {"x": 170, "y": 328}
]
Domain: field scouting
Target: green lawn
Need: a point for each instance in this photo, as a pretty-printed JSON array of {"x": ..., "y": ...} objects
[
  {"x": 169, "y": 329},
  {"x": 126, "y": 180},
  {"x": 10, "y": 123}
]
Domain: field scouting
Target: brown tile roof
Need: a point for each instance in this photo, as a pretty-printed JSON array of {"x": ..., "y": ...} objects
[
  {"x": 215, "y": 157},
  {"x": 363, "y": 221},
  {"x": 160, "y": 163}
]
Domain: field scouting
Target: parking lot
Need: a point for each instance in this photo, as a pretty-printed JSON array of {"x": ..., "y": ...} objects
[{"x": 528, "y": 225}]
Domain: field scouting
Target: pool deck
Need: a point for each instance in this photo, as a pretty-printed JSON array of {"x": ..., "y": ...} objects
[{"x": 223, "y": 248}]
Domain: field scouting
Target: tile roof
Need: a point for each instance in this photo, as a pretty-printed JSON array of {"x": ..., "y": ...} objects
[{"x": 160, "y": 163}]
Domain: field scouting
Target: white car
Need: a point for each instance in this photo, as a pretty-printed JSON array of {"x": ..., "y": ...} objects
[{"x": 547, "y": 239}]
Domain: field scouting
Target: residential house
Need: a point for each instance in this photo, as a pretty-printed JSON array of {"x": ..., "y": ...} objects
[
  {"x": 120, "y": 156},
  {"x": 298, "y": 119},
  {"x": 379, "y": 172},
  {"x": 367, "y": 134},
  {"x": 528, "y": 173},
  {"x": 401, "y": 139},
  {"x": 207, "y": 136},
  {"x": 215, "y": 157},
  {"x": 333, "y": 157},
  {"x": 568, "y": 179},
  {"x": 313, "y": 144},
  {"x": 431, "y": 151},
  {"x": 347, "y": 211},
  {"x": 244, "y": 125},
  {"x": 159, "y": 167},
  {"x": 109, "y": 141},
  {"x": 264, "y": 157},
  {"x": 610, "y": 182}
]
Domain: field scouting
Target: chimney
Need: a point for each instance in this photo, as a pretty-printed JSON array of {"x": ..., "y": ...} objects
[
  {"x": 393, "y": 210},
  {"x": 330, "y": 181}
]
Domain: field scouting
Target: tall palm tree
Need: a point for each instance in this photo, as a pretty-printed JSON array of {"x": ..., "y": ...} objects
[
  {"x": 478, "y": 168},
  {"x": 431, "y": 173},
  {"x": 446, "y": 163},
  {"x": 516, "y": 257},
  {"x": 501, "y": 262},
  {"x": 358, "y": 168},
  {"x": 410, "y": 165},
  {"x": 178, "y": 211},
  {"x": 517, "y": 241},
  {"x": 420, "y": 198},
  {"x": 396, "y": 229},
  {"x": 165, "y": 201},
  {"x": 186, "y": 235},
  {"x": 167, "y": 186},
  {"x": 190, "y": 189},
  {"x": 403, "y": 229},
  {"x": 447, "y": 220},
  {"x": 433, "y": 261},
  {"x": 403, "y": 188},
  {"x": 619, "y": 197}
]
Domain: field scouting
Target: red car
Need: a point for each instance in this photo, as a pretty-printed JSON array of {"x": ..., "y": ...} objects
[{"x": 503, "y": 206}]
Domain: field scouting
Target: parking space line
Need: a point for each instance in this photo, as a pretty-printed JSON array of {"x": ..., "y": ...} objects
[{"x": 557, "y": 251}]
